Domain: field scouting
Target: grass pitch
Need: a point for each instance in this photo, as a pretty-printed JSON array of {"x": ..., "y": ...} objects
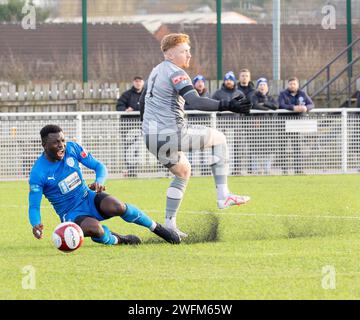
[{"x": 299, "y": 238}]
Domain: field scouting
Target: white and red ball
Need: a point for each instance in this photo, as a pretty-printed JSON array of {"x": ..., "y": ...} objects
[{"x": 68, "y": 236}]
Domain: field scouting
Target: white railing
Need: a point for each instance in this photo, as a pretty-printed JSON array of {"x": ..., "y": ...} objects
[
  {"x": 71, "y": 90},
  {"x": 326, "y": 141}
]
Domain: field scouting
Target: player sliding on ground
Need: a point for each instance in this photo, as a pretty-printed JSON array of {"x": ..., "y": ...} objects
[
  {"x": 57, "y": 175},
  {"x": 167, "y": 134}
]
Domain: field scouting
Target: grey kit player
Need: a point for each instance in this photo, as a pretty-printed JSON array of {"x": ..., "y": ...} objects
[{"x": 167, "y": 134}]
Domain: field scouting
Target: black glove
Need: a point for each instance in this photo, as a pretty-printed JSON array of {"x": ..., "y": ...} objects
[{"x": 239, "y": 104}]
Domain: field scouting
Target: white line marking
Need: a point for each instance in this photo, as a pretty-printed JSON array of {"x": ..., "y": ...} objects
[
  {"x": 242, "y": 214},
  {"x": 266, "y": 215}
]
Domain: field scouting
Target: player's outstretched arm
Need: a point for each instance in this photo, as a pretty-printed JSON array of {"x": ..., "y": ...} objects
[
  {"x": 100, "y": 173},
  {"x": 35, "y": 196},
  {"x": 239, "y": 104}
]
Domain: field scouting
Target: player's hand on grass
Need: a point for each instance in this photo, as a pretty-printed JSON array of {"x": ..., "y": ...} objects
[
  {"x": 239, "y": 104},
  {"x": 38, "y": 231},
  {"x": 97, "y": 187}
]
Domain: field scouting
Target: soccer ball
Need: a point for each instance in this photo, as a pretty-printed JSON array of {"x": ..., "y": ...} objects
[{"x": 68, "y": 236}]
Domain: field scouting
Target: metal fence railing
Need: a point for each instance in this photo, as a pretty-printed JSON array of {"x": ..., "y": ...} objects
[
  {"x": 96, "y": 90},
  {"x": 325, "y": 141}
]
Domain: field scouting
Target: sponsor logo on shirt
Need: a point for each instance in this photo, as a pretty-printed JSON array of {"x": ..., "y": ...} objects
[
  {"x": 181, "y": 78},
  {"x": 70, "y": 162},
  {"x": 69, "y": 183}
]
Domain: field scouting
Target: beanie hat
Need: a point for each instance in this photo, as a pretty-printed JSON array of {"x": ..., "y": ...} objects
[
  {"x": 230, "y": 76},
  {"x": 261, "y": 80},
  {"x": 197, "y": 78}
]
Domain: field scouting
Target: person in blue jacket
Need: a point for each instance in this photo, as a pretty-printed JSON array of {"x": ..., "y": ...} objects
[
  {"x": 294, "y": 99},
  {"x": 57, "y": 175},
  {"x": 297, "y": 101}
]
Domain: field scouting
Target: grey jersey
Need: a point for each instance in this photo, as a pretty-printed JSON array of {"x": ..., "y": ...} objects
[{"x": 164, "y": 106}]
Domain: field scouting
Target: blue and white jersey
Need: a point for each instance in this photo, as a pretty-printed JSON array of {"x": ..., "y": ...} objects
[{"x": 61, "y": 182}]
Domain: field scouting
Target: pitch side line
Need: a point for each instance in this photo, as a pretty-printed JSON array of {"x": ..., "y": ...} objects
[
  {"x": 242, "y": 214},
  {"x": 270, "y": 215}
]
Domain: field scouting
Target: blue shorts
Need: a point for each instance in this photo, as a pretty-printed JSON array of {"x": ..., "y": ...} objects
[{"x": 86, "y": 208}]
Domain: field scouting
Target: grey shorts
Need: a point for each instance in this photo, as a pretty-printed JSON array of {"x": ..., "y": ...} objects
[{"x": 166, "y": 146}]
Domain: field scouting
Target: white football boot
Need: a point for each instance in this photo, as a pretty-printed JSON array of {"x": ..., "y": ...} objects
[
  {"x": 181, "y": 234},
  {"x": 171, "y": 224},
  {"x": 232, "y": 200}
]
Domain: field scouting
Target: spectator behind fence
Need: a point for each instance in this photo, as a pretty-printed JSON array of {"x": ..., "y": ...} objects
[
  {"x": 245, "y": 84},
  {"x": 294, "y": 99},
  {"x": 261, "y": 145},
  {"x": 261, "y": 99},
  {"x": 199, "y": 85},
  {"x": 228, "y": 89},
  {"x": 129, "y": 100}
]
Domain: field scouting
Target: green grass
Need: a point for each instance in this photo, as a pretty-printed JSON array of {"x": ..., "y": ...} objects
[{"x": 275, "y": 247}]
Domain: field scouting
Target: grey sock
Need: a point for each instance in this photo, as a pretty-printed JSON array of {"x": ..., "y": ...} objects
[
  {"x": 174, "y": 196},
  {"x": 220, "y": 163}
]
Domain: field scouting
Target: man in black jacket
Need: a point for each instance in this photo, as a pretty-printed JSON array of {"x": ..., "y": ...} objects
[
  {"x": 129, "y": 100},
  {"x": 261, "y": 146},
  {"x": 245, "y": 84},
  {"x": 261, "y": 98},
  {"x": 228, "y": 89}
]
